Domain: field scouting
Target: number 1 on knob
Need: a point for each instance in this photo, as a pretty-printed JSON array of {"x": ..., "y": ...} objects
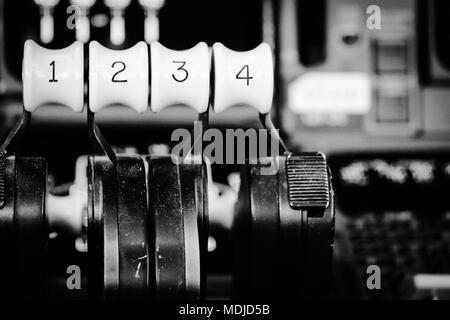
[{"x": 52, "y": 64}]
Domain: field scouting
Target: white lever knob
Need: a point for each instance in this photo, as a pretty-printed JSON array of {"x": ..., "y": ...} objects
[
  {"x": 117, "y": 34},
  {"x": 53, "y": 76},
  {"x": 243, "y": 78},
  {"x": 117, "y": 31},
  {"x": 180, "y": 77},
  {"x": 151, "y": 24},
  {"x": 83, "y": 31},
  {"x": 118, "y": 77},
  {"x": 47, "y": 24}
]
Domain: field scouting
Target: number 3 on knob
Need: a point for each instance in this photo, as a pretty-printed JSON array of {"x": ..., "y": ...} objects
[
  {"x": 184, "y": 71},
  {"x": 180, "y": 77}
]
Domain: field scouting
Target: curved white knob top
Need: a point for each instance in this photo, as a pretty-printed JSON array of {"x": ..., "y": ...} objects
[
  {"x": 83, "y": 3},
  {"x": 180, "y": 77},
  {"x": 47, "y": 3},
  {"x": 117, "y": 4},
  {"x": 53, "y": 76},
  {"x": 245, "y": 78},
  {"x": 118, "y": 77},
  {"x": 152, "y": 4}
]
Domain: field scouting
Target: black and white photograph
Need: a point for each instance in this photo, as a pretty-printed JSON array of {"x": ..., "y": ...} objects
[{"x": 221, "y": 157}]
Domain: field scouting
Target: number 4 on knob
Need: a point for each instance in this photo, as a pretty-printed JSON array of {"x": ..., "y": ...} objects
[{"x": 246, "y": 77}]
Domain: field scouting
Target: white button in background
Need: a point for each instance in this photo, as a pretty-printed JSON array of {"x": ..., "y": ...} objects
[
  {"x": 180, "y": 77},
  {"x": 117, "y": 22},
  {"x": 82, "y": 22},
  {"x": 53, "y": 76},
  {"x": 243, "y": 78},
  {"x": 47, "y": 25},
  {"x": 151, "y": 24},
  {"x": 118, "y": 77}
]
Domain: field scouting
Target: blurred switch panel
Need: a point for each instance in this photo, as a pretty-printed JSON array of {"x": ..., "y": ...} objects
[
  {"x": 392, "y": 108},
  {"x": 391, "y": 57},
  {"x": 347, "y": 42},
  {"x": 394, "y": 69}
]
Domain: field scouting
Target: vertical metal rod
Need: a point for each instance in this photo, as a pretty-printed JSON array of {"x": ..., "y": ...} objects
[
  {"x": 267, "y": 123},
  {"x": 98, "y": 139}
]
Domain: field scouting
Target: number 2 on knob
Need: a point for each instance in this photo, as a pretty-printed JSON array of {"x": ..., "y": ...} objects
[
  {"x": 52, "y": 64},
  {"x": 181, "y": 68},
  {"x": 124, "y": 66}
]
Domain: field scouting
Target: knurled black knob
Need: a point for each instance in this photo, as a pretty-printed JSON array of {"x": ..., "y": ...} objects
[{"x": 308, "y": 181}]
